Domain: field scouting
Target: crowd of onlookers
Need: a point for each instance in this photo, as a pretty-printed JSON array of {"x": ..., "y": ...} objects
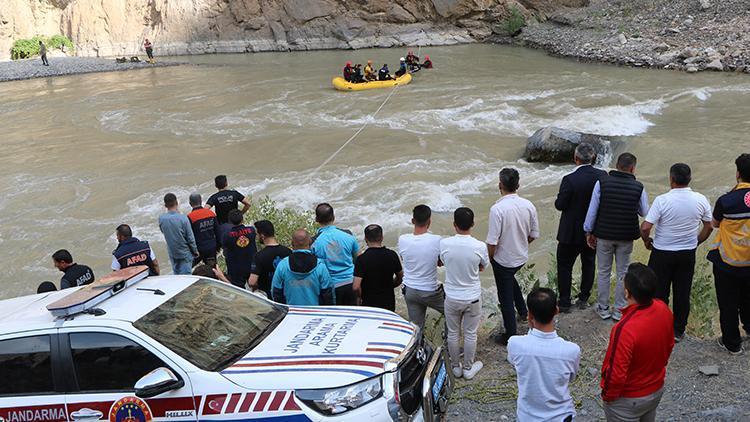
[{"x": 599, "y": 224}]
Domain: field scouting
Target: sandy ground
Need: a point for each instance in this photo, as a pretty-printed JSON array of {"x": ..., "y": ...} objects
[
  {"x": 689, "y": 395},
  {"x": 59, "y": 66}
]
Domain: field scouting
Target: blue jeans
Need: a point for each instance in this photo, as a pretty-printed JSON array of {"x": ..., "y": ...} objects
[
  {"x": 508, "y": 294},
  {"x": 182, "y": 266}
]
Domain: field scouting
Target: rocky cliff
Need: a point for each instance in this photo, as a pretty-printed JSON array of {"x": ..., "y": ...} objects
[{"x": 118, "y": 27}]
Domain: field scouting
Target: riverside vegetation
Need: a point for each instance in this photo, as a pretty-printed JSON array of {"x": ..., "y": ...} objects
[{"x": 26, "y": 48}]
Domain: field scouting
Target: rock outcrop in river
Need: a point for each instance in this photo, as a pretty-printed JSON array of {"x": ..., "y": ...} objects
[
  {"x": 118, "y": 27},
  {"x": 556, "y": 145}
]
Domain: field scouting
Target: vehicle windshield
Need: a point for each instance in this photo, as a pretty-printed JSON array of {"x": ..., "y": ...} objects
[{"x": 211, "y": 324}]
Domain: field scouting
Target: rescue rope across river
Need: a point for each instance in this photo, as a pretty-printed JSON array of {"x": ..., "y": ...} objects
[{"x": 367, "y": 122}]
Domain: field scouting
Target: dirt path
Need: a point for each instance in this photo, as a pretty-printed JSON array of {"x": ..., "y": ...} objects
[{"x": 689, "y": 395}]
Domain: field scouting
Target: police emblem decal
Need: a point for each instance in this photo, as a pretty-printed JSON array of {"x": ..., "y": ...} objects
[
  {"x": 130, "y": 409},
  {"x": 747, "y": 199}
]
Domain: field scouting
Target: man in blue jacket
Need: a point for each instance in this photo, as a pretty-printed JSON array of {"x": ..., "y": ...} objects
[
  {"x": 301, "y": 279},
  {"x": 338, "y": 249},
  {"x": 573, "y": 200}
]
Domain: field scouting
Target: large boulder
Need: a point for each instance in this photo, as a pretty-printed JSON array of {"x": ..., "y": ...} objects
[{"x": 556, "y": 145}]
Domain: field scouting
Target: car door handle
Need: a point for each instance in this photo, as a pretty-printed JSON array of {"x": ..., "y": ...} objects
[{"x": 86, "y": 414}]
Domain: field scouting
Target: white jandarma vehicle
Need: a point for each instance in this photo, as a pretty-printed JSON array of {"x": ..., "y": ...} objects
[{"x": 133, "y": 348}]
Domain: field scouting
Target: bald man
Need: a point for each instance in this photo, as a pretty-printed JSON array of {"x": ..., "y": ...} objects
[{"x": 301, "y": 279}]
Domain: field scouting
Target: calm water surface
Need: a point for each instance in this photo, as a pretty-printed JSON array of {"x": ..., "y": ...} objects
[{"x": 82, "y": 154}]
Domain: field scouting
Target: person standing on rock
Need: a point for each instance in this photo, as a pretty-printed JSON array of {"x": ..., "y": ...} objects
[
  {"x": 612, "y": 225},
  {"x": 179, "y": 236},
  {"x": 545, "y": 363},
  {"x": 730, "y": 255},
  {"x": 420, "y": 253},
  {"x": 677, "y": 215},
  {"x": 573, "y": 200},
  {"x": 43, "y": 53},
  {"x": 464, "y": 258},
  {"x": 638, "y": 353},
  {"x": 149, "y": 50},
  {"x": 513, "y": 225},
  {"x": 226, "y": 200}
]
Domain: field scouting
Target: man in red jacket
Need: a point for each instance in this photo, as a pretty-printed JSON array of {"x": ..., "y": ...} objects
[{"x": 635, "y": 365}]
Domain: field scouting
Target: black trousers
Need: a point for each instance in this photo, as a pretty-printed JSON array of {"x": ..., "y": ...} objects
[
  {"x": 207, "y": 257},
  {"x": 733, "y": 295},
  {"x": 566, "y": 258},
  {"x": 345, "y": 296},
  {"x": 509, "y": 295},
  {"x": 674, "y": 270},
  {"x": 150, "y": 52},
  {"x": 44, "y": 60}
]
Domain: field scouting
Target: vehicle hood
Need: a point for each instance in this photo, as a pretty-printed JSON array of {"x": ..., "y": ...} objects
[{"x": 323, "y": 347}]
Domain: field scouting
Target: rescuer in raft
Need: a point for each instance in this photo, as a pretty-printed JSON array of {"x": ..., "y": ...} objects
[
  {"x": 370, "y": 74},
  {"x": 427, "y": 63},
  {"x": 384, "y": 74},
  {"x": 348, "y": 71},
  {"x": 412, "y": 60},
  {"x": 357, "y": 77},
  {"x": 402, "y": 68}
]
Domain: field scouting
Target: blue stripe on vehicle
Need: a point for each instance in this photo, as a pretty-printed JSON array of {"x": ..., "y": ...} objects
[
  {"x": 289, "y": 418},
  {"x": 338, "y": 308},
  {"x": 396, "y": 329},
  {"x": 283, "y": 358},
  {"x": 378, "y": 343},
  {"x": 260, "y": 371},
  {"x": 395, "y": 321}
]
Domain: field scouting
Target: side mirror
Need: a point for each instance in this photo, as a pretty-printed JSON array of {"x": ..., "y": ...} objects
[{"x": 158, "y": 381}]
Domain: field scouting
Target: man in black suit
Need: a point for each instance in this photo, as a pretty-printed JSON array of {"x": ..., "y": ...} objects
[{"x": 573, "y": 200}]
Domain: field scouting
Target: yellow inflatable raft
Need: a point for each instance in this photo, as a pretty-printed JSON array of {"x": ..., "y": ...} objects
[{"x": 342, "y": 85}]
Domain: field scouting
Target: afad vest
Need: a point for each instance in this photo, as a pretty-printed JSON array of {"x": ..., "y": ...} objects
[
  {"x": 620, "y": 197},
  {"x": 132, "y": 252},
  {"x": 733, "y": 240}
]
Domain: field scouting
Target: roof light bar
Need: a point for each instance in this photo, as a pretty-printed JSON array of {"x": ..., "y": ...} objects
[{"x": 97, "y": 292}]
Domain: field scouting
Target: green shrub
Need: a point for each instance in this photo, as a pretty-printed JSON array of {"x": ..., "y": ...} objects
[
  {"x": 59, "y": 42},
  {"x": 25, "y": 48},
  {"x": 515, "y": 22},
  {"x": 285, "y": 220}
]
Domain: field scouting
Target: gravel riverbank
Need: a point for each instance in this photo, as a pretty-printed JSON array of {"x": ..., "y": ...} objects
[
  {"x": 689, "y": 35},
  {"x": 60, "y": 66}
]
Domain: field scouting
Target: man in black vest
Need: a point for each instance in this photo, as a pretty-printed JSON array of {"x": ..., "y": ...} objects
[
  {"x": 612, "y": 225},
  {"x": 573, "y": 200},
  {"x": 131, "y": 252},
  {"x": 74, "y": 274}
]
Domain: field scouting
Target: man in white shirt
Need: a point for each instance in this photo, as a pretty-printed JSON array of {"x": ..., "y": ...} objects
[
  {"x": 513, "y": 226},
  {"x": 464, "y": 257},
  {"x": 677, "y": 214},
  {"x": 420, "y": 253},
  {"x": 545, "y": 364}
]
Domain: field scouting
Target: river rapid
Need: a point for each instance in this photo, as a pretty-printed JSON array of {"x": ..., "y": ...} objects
[{"x": 82, "y": 154}]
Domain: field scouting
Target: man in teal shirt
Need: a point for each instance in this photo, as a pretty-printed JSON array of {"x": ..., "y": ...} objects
[
  {"x": 301, "y": 279},
  {"x": 338, "y": 249}
]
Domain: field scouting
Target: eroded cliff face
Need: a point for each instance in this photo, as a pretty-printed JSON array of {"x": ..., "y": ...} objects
[{"x": 118, "y": 27}]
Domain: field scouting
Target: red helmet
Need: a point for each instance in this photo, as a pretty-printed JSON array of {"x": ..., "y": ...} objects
[
  {"x": 349, "y": 63},
  {"x": 427, "y": 57}
]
